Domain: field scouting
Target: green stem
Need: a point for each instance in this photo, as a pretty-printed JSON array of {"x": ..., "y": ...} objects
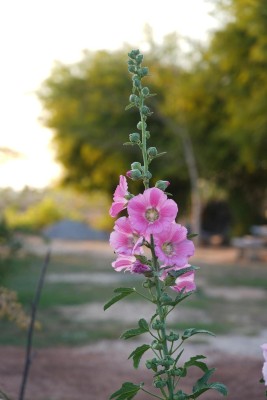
[
  {"x": 151, "y": 394},
  {"x": 142, "y": 295},
  {"x": 144, "y": 150},
  {"x": 161, "y": 315}
]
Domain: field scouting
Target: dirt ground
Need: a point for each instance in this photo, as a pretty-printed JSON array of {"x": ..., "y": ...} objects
[
  {"x": 94, "y": 372},
  {"x": 86, "y": 374}
]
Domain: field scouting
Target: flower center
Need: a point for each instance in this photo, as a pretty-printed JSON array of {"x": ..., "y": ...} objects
[
  {"x": 167, "y": 247},
  {"x": 152, "y": 214}
]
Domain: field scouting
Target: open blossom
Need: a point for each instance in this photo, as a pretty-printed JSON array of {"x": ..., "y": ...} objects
[
  {"x": 172, "y": 246},
  {"x": 124, "y": 239},
  {"x": 119, "y": 200},
  {"x": 151, "y": 211},
  {"x": 264, "y": 368},
  {"x": 129, "y": 263},
  {"x": 185, "y": 282}
]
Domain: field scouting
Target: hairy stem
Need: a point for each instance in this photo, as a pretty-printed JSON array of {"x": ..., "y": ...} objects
[{"x": 162, "y": 316}]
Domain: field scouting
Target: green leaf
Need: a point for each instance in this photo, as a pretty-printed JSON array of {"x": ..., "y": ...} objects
[
  {"x": 143, "y": 328},
  {"x": 194, "y": 361},
  {"x": 123, "y": 292},
  {"x": 138, "y": 353},
  {"x": 143, "y": 324},
  {"x": 129, "y": 106},
  {"x": 127, "y": 392},
  {"x": 182, "y": 271},
  {"x": 193, "y": 331},
  {"x": 220, "y": 387},
  {"x": 192, "y": 235}
]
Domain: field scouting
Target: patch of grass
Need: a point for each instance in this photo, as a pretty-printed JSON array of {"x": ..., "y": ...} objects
[{"x": 224, "y": 316}]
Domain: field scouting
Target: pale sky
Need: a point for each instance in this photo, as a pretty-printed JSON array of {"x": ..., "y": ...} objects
[{"x": 35, "y": 33}]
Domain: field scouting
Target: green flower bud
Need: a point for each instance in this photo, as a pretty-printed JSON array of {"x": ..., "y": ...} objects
[
  {"x": 133, "y": 54},
  {"x": 132, "y": 98},
  {"x": 148, "y": 175},
  {"x": 162, "y": 185},
  {"x": 136, "y": 165},
  {"x": 148, "y": 284},
  {"x": 132, "y": 68},
  {"x": 143, "y": 71},
  {"x": 156, "y": 345},
  {"x": 134, "y": 137},
  {"x": 157, "y": 325},
  {"x": 134, "y": 174},
  {"x": 139, "y": 125},
  {"x": 152, "y": 152},
  {"x": 145, "y": 91},
  {"x": 172, "y": 337},
  {"x": 145, "y": 110},
  {"x": 147, "y": 134},
  {"x": 136, "y": 82},
  {"x": 160, "y": 383},
  {"x": 139, "y": 58}
]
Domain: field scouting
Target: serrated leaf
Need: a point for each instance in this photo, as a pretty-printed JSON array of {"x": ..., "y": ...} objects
[
  {"x": 127, "y": 392},
  {"x": 123, "y": 292},
  {"x": 138, "y": 353},
  {"x": 130, "y": 333},
  {"x": 143, "y": 324},
  {"x": 193, "y": 331},
  {"x": 194, "y": 361}
]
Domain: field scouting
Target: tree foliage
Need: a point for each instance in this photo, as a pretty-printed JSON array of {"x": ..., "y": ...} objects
[{"x": 219, "y": 101}]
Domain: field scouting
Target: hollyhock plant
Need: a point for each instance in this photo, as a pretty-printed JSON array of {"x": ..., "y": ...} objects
[
  {"x": 172, "y": 246},
  {"x": 120, "y": 197},
  {"x": 152, "y": 211},
  {"x": 149, "y": 242}
]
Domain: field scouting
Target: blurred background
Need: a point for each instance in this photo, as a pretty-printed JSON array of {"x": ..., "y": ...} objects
[{"x": 64, "y": 88}]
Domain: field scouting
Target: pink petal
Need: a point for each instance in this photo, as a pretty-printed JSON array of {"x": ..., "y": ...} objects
[{"x": 116, "y": 208}]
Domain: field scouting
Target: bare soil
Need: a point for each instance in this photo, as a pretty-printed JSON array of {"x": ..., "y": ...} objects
[{"x": 86, "y": 374}]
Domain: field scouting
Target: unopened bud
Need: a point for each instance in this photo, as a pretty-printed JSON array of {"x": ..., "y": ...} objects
[
  {"x": 145, "y": 91},
  {"x": 133, "y": 98},
  {"x": 134, "y": 174},
  {"x": 152, "y": 152},
  {"x": 143, "y": 71},
  {"x": 139, "y": 125},
  {"x": 134, "y": 137},
  {"x": 162, "y": 185},
  {"x": 132, "y": 68},
  {"x": 145, "y": 110},
  {"x": 139, "y": 58},
  {"x": 136, "y": 165}
]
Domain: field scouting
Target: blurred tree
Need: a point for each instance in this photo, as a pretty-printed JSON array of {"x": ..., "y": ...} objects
[
  {"x": 84, "y": 105},
  {"x": 209, "y": 114}
]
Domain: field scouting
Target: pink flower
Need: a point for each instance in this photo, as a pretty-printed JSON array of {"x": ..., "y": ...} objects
[
  {"x": 124, "y": 239},
  {"x": 131, "y": 264},
  {"x": 151, "y": 211},
  {"x": 185, "y": 282},
  {"x": 172, "y": 246},
  {"x": 119, "y": 200},
  {"x": 264, "y": 368}
]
